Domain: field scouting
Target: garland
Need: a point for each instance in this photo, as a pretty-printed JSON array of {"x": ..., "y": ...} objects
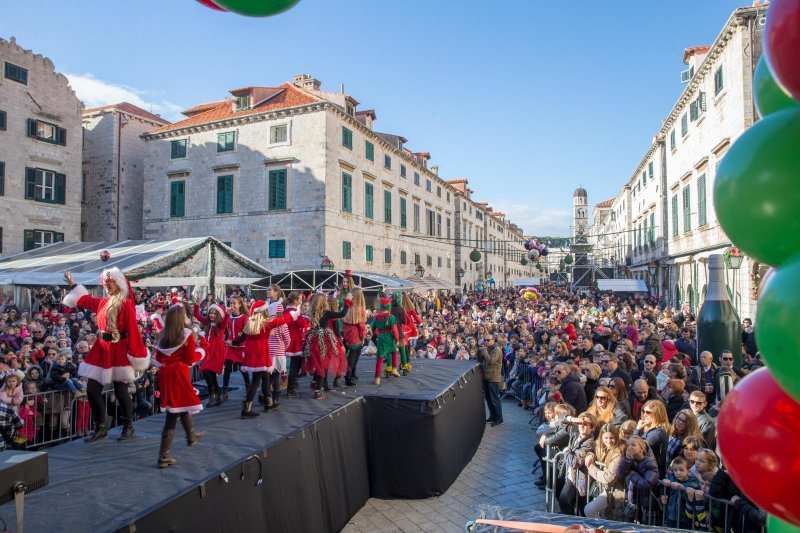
[
  {"x": 212, "y": 275},
  {"x": 188, "y": 254}
]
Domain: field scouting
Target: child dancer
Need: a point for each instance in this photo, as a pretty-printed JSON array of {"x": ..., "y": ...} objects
[
  {"x": 234, "y": 355},
  {"x": 214, "y": 361},
  {"x": 297, "y": 334},
  {"x": 399, "y": 313},
  {"x": 321, "y": 347},
  {"x": 338, "y": 363},
  {"x": 279, "y": 340},
  {"x": 355, "y": 329},
  {"x": 384, "y": 326},
  {"x": 411, "y": 333},
  {"x": 175, "y": 352},
  {"x": 256, "y": 351}
]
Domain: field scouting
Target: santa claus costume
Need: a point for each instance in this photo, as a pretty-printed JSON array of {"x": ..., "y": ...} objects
[
  {"x": 176, "y": 351},
  {"x": 157, "y": 320},
  {"x": 234, "y": 355},
  {"x": 215, "y": 326},
  {"x": 117, "y": 354},
  {"x": 298, "y": 328},
  {"x": 322, "y": 349},
  {"x": 256, "y": 351}
]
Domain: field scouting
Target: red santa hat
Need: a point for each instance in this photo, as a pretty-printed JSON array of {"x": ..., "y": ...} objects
[
  {"x": 220, "y": 311},
  {"x": 386, "y": 303},
  {"x": 259, "y": 306}
]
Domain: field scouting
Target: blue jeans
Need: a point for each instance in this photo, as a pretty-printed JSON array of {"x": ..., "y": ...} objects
[
  {"x": 72, "y": 385},
  {"x": 491, "y": 391}
]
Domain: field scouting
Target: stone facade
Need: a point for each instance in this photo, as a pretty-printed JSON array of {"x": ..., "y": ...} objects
[
  {"x": 666, "y": 209},
  {"x": 40, "y": 145},
  {"x": 113, "y": 171}
]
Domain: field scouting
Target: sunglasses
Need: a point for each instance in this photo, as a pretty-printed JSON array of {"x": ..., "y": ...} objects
[
  {"x": 601, "y": 397},
  {"x": 647, "y": 412},
  {"x": 606, "y": 361},
  {"x": 696, "y": 402},
  {"x": 727, "y": 358}
]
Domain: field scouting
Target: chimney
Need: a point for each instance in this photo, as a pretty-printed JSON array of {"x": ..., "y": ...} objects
[
  {"x": 309, "y": 83},
  {"x": 435, "y": 169}
]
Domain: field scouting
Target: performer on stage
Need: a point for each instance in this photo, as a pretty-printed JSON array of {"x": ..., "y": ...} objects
[
  {"x": 176, "y": 351},
  {"x": 384, "y": 327},
  {"x": 321, "y": 347},
  {"x": 338, "y": 362},
  {"x": 117, "y": 354},
  {"x": 399, "y": 313},
  {"x": 215, "y": 327},
  {"x": 279, "y": 340},
  {"x": 256, "y": 351},
  {"x": 297, "y": 336},
  {"x": 234, "y": 355},
  {"x": 355, "y": 329},
  {"x": 157, "y": 319},
  {"x": 410, "y": 333}
]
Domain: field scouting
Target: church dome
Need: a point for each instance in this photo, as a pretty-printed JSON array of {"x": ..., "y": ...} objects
[{"x": 580, "y": 192}]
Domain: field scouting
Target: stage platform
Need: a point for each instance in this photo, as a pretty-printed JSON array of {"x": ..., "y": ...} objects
[{"x": 308, "y": 466}]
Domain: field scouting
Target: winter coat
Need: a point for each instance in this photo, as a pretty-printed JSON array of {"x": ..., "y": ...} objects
[
  {"x": 642, "y": 476},
  {"x": 657, "y": 439},
  {"x": 708, "y": 428},
  {"x": 492, "y": 363},
  {"x": 610, "y": 481},
  {"x": 653, "y": 346},
  {"x": 576, "y": 451},
  {"x": 574, "y": 394}
]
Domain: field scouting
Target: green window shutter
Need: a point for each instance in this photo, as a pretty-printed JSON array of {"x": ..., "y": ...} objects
[
  {"x": 644, "y": 178},
  {"x": 403, "y": 214},
  {"x": 277, "y": 249},
  {"x": 387, "y": 207},
  {"x": 32, "y": 126},
  {"x": 653, "y": 229},
  {"x": 687, "y": 207},
  {"x": 347, "y": 138},
  {"x": 701, "y": 200},
  {"x": 369, "y": 201},
  {"x": 347, "y": 192},
  {"x": 674, "y": 215},
  {"x": 225, "y": 194},
  {"x": 177, "y": 198},
  {"x": 2, "y": 120},
  {"x": 28, "y": 242},
  {"x": 645, "y": 234},
  {"x": 346, "y": 250},
  {"x": 718, "y": 81},
  {"x": 61, "y": 136},
  {"x": 684, "y": 125},
  {"x": 672, "y": 139},
  {"x": 387, "y": 255},
  {"x": 277, "y": 189},
  {"x": 368, "y": 252},
  {"x": 370, "y": 150},
  {"x": 60, "y": 189},
  {"x": 2, "y": 179},
  {"x": 30, "y": 183},
  {"x": 650, "y": 169}
]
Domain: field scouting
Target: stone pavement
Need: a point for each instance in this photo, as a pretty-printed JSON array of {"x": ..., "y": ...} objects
[{"x": 499, "y": 474}]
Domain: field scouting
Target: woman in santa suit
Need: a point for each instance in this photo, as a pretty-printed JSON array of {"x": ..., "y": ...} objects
[
  {"x": 176, "y": 351},
  {"x": 117, "y": 354},
  {"x": 214, "y": 361},
  {"x": 234, "y": 355}
]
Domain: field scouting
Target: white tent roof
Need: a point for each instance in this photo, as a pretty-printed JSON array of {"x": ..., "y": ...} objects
[
  {"x": 150, "y": 263},
  {"x": 622, "y": 285},
  {"x": 431, "y": 283},
  {"x": 527, "y": 282}
]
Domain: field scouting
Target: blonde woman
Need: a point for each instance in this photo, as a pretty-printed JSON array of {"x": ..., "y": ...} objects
[
  {"x": 117, "y": 354},
  {"x": 684, "y": 425},
  {"x": 602, "y": 466},
  {"x": 604, "y": 407},
  {"x": 355, "y": 329},
  {"x": 654, "y": 427}
]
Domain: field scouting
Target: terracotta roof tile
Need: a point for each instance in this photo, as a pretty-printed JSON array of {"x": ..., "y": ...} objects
[
  {"x": 290, "y": 96},
  {"x": 127, "y": 107},
  {"x": 460, "y": 180},
  {"x": 692, "y": 50},
  {"x": 607, "y": 203}
]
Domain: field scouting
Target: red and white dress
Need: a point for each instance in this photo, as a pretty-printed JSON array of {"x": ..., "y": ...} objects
[
  {"x": 109, "y": 361},
  {"x": 235, "y": 329},
  {"x": 214, "y": 359},
  {"x": 178, "y": 395},
  {"x": 279, "y": 340},
  {"x": 411, "y": 332},
  {"x": 297, "y": 331},
  {"x": 256, "y": 347}
]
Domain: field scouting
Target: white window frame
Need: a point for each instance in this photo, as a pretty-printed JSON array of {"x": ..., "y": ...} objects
[
  {"x": 45, "y": 185},
  {"x": 41, "y": 129},
  {"x": 288, "y": 141},
  {"x": 43, "y": 238}
]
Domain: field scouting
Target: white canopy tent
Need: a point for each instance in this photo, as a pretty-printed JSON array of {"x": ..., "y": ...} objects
[
  {"x": 622, "y": 285},
  {"x": 527, "y": 282}
]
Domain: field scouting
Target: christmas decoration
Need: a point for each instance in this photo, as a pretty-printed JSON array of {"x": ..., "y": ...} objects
[
  {"x": 768, "y": 95},
  {"x": 211, "y": 4},
  {"x": 475, "y": 255},
  {"x": 256, "y": 8},
  {"x": 105, "y": 256},
  {"x": 782, "y": 44},
  {"x": 567, "y": 259}
]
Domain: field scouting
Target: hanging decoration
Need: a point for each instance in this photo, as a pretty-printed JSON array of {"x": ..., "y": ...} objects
[
  {"x": 251, "y": 8},
  {"x": 568, "y": 259},
  {"x": 533, "y": 255},
  {"x": 105, "y": 255},
  {"x": 475, "y": 255},
  {"x": 523, "y": 262}
]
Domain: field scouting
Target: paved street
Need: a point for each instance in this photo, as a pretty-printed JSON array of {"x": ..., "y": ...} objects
[{"x": 499, "y": 474}]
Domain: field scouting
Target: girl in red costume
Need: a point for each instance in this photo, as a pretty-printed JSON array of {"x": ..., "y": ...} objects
[
  {"x": 355, "y": 329},
  {"x": 117, "y": 354},
  {"x": 338, "y": 362},
  {"x": 297, "y": 335},
  {"x": 256, "y": 351},
  {"x": 321, "y": 347},
  {"x": 214, "y": 361},
  {"x": 176, "y": 351},
  {"x": 410, "y": 331},
  {"x": 234, "y": 355},
  {"x": 279, "y": 340}
]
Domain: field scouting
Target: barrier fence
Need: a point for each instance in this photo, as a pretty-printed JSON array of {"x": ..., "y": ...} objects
[{"x": 713, "y": 514}]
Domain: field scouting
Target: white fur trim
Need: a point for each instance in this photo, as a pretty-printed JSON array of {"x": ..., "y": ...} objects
[
  {"x": 72, "y": 297},
  {"x": 220, "y": 311},
  {"x": 170, "y": 351},
  {"x": 293, "y": 354},
  {"x": 97, "y": 373},
  {"x": 139, "y": 363},
  {"x": 260, "y": 309},
  {"x": 253, "y": 369},
  {"x": 125, "y": 374},
  {"x": 202, "y": 353},
  {"x": 294, "y": 313},
  {"x": 191, "y": 409},
  {"x": 278, "y": 363},
  {"x": 118, "y": 277}
]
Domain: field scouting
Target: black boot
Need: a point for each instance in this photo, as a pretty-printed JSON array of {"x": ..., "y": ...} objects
[
  {"x": 275, "y": 401},
  {"x": 267, "y": 403},
  {"x": 127, "y": 431},
  {"x": 338, "y": 383},
  {"x": 100, "y": 432},
  {"x": 192, "y": 436},
  {"x": 164, "y": 459},
  {"x": 224, "y": 394},
  {"x": 213, "y": 400},
  {"x": 291, "y": 393},
  {"x": 247, "y": 410}
]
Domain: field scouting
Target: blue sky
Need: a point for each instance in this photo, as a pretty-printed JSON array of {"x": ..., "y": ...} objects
[{"x": 527, "y": 99}]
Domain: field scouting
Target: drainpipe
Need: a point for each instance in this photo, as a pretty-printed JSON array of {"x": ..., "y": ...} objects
[{"x": 120, "y": 124}]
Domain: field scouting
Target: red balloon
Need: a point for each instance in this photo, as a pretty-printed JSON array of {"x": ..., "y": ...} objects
[
  {"x": 212, "y": 5},
  {"x": 760, "y": 443},
  {"x": 782, "y": 44},
  {"x": 105, "y": 256}
]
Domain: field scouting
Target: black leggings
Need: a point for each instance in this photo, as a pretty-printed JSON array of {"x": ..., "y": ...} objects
[
  {"x": 353, "y": 355},
  {"x": 230, "y": 366},
  {"x": 94, "y": 391},
  {"x": 295, "y": 363},
  {"x": 211, "y": 382},
  {"x": 171, "y": 421},
  {"x": 259, "y": 379}
]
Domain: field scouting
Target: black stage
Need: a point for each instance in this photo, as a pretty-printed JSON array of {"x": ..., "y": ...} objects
[{"x": 319, "y": 460}]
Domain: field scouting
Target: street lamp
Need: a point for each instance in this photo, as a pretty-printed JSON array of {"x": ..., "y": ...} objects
[
  {"x": 326, "y": 263},
  {"x": 651, "y": 268},
  {"x": 419, "y": 271},
  {"x": 733, "y": 258}
]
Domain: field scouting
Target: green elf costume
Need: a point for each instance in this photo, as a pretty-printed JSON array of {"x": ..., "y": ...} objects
[
  {"x": 384, "y": 327},
  {"x": 399, "y": 313}
]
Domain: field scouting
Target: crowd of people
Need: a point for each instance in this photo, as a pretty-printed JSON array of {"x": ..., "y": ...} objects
[{"x": 616, "y": 386}]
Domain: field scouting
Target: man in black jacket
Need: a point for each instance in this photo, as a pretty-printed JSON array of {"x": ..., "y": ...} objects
[
  {"x": 571, "y": 388},
  {"x": 686, "y": 344}
]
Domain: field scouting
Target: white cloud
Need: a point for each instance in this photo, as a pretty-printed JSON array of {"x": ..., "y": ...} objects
[
  {"x": 97, "y": 93},
  {"x": 536, "y": 220}
]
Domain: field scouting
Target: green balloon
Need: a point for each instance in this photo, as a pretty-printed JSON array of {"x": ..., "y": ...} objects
[
  {"x": 776, "y": 525},
  {"x": 768, "y": 95},
  {"x": 257, "y": 8},
  {"x": 776, "y": 326},
  {"x": 757, "y": 189}
]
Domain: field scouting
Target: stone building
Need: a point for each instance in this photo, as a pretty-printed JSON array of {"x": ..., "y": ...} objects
[
  {"x": 40, "y": 152},
  {"x": 666, "y": 207},
  {"x": 113, "y": 171},
  {"x": 292, "y": 174}
]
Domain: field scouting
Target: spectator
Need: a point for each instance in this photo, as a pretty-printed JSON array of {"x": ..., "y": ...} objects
[
  {"x": 11, "y": 392},
  {"x": 611, "y": 369},
  {"x": 654, "y": 429},
  {"x": 648, "y": 367},
  {"x": 571, "y": 388},
  {"x": 640, "y": 468},
  {"x": 491, "y": 358},
  {"x": 705, "y": 375},
  {"x": 603, "y": 466},
  {"x": 674, "y": 397},
  {"x": 592, "y": 373},
  {"x": 626, "y": 430},
  {"x": 64, "y": 375},
  {"x": 749, "y": 345},
  {"x": 684, "y": 425},
  {"x": 642, "y": 393},
  {"x": 10, "y": 423},
  {"x": 727, "y": 375},
  {"x": 605, "y": 409},
  {"x": 686, "y": 344},
  {"x": 651, "y": 343},
  {"x": 676, "y": 483},
  {"x": 708, "y": 428},
  {"x": 617, "y": 386},
  {"x": 580, "y": 445}
]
